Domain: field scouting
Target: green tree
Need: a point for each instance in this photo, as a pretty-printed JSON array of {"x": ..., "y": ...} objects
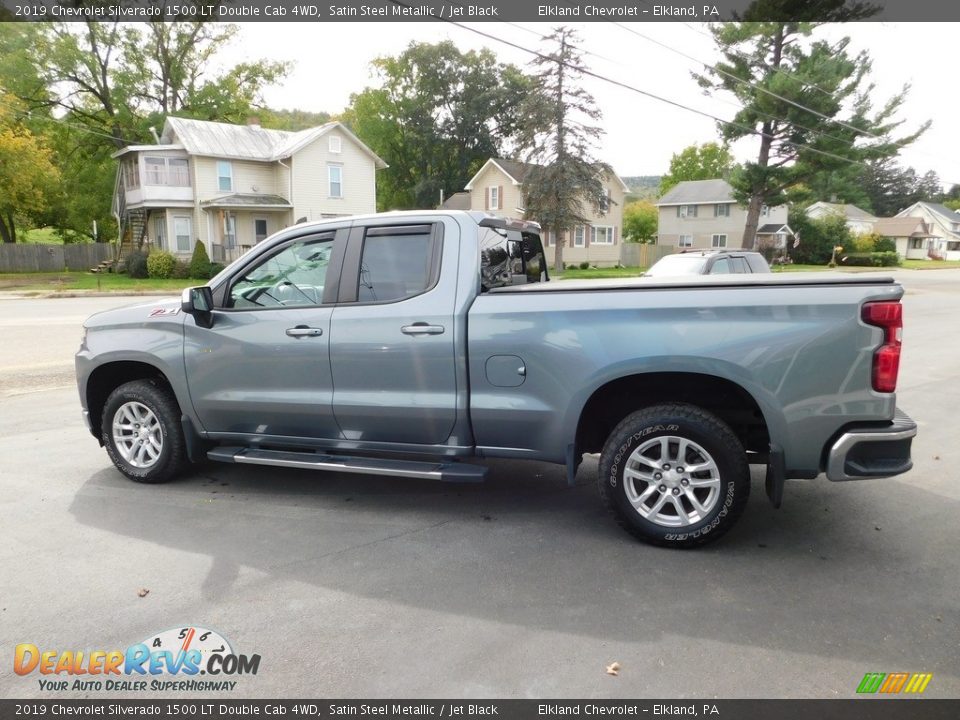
[
  {"x": 698, "y": 162},
  {"x": 437, "y": 116},
  {"x": 558, "y": 139},
  {"x": 805, "y": 99},
  {"x": 891, "y": 188},
  {"x": 818, "y": 237},
  {"x": 640, "y": 221},
  {"x": 28, "y": 177}
]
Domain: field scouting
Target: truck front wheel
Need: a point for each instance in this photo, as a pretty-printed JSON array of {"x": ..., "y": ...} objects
[
  {"x": 141, "y": 432},
  {"x": 674, "y": 475}
]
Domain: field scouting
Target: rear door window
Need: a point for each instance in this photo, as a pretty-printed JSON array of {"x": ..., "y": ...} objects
[{"x": 396, "y": 263}]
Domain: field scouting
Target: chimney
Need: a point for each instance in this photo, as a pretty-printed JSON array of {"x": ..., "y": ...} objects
[{"x": 253, "y": 121}]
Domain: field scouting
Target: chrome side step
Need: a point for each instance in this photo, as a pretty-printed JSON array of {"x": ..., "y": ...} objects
[{"x": 444, "y": 471}]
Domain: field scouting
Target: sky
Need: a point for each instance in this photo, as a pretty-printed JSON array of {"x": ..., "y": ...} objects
[{"x": 331, "y": 60}]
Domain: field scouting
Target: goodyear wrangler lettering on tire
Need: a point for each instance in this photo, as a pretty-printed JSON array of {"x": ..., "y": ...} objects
[{"x": 674, "y": 475}]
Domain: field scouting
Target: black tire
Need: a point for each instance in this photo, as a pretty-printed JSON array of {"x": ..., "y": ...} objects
[
  {"x": 160, "y": 401},
  {"x": 707, "y": 433}
]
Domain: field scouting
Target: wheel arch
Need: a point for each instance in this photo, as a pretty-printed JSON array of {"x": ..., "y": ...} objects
[
  {"x": 612, "y": 401},
  {"x": 106, "y": 378}
]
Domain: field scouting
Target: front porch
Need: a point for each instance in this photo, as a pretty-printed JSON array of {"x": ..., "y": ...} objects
[{"x": 237, "y": 222}]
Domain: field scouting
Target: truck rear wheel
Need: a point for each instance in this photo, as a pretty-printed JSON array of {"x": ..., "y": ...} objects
[
  {"x": 674, "y": 475},
  {"x": 142, "y": 434}
]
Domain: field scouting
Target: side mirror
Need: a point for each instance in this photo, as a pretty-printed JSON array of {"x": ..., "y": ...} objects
[{"x": 198, "y": 301}]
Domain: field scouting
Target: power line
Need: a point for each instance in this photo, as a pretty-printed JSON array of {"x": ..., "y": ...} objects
[{"x": 654, "y": 96}]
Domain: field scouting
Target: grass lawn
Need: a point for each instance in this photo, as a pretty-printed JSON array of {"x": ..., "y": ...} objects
[
  {"x": 104, "y": 282},
  {"x": 930, "y": 264},
  {"x": 595, "y": 273},
  {"x": 43, "y": 236}
]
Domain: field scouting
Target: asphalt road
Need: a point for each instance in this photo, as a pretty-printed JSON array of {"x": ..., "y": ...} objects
[{"x": 522, "y": 587}]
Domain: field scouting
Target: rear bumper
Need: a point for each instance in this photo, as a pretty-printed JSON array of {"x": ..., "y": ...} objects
[{"x": 872, "y": 452}]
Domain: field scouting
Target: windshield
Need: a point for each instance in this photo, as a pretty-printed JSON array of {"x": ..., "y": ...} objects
[{"x": 677, "y": 265}]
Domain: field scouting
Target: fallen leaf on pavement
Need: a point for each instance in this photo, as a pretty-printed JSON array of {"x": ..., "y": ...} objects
[
  {"x": 143, "y": 592},
  {"x": 613, "y": 668}
]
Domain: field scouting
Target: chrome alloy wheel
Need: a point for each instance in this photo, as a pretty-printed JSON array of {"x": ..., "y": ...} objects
[
  {"x": 671, "y": 481},
  {"x": 137, "y": 435}
]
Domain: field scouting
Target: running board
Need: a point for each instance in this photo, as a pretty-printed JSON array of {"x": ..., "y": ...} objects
[{"x": 447, "y": 472}]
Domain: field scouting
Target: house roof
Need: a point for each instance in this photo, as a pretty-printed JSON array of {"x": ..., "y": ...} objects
[
  {"x": 692, "y": 192},
  {"x": 901, "y": 227},
  {"x": 517, "y": 171},
  {"x": 774, "y": 229},
  {"x": 850, "y": 212},
  {"x": 942, "y": 210},
  {"x": 251, "y": 200},
  {"x": 249, "y": 142},
  {"x": 457, "y": 201}
]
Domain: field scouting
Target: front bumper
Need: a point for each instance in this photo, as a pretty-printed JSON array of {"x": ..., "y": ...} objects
[{"x": 872, "y": 452}]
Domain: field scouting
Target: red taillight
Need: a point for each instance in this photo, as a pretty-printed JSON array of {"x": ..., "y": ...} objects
[{"x": 886, "y": 359}]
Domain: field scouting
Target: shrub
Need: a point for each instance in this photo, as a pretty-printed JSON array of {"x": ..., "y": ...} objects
[
  {"x": 584, "y": 266},
  {"x": 216, "y": 268},
  {"x": 137, "y": 264},
  {"x": 181, "y": 270},
  {"x": 857, "y": 260},
  {"x": 200, "y": 262},
  {"x": 887, "y": 258},
  {"x": 160, "y": 264},
  {"x": 885, "y": 244}
]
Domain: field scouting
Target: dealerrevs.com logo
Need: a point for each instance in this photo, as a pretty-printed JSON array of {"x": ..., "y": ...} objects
[{"x": 168, "y": 661}]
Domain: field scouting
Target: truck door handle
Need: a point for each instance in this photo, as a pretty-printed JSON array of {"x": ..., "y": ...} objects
[
  {"x": 422, "y": 328},
  {"x": 303, "y": 331}
]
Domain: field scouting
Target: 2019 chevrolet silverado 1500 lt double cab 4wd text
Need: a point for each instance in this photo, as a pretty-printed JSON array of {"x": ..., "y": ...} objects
[{"x": 407, "y": 343}]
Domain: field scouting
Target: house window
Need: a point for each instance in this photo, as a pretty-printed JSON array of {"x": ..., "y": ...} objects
[
  {"x": 160, "y": 232},
  {"x": 494, "y": 191},
  {"x": 719, "y": 241},
  {"x": 183, "y": 230},
  {"x": 579, "y": 236},
  {"x": 167, "y": 171},
  {"x": 229, "y": 230},
  {"x": 686, "y": 211},
  {"x": 260, "y": 229},
  {"x": 131, "y": 174},
  {"x": 156, "y": 171},
  {"x": 224, "y": 176},
  {"x": 602, "y": 235},
  {"x": 686, "y": 241},
  {"x": 178, "y": 172},
  {"x": 335, "y": 180},
  {"x": 335, "y": 145},
  {"x": 765, "y": 211},
  {"x": 605, "y": 202},
  {"x": 916, "y": 243},
  {"x": 721, "y": 210}
]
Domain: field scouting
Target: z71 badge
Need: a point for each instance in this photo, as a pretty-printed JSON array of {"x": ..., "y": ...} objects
[{"x": 156, "y": 312}]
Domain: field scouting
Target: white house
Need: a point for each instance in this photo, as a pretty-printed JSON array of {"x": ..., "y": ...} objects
[
  {"x": 858, "y": 220},
  {"x": 230, "y": 186},
  {"x": 943, "y": 226}
]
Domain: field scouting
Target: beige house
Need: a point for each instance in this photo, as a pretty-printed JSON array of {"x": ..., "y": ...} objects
[
  {"x": 911, "y": 235},
  {"x": 498, "y": 188},
  {"x": 230, "y": 186},
  {"x": 704, "y": 214}
]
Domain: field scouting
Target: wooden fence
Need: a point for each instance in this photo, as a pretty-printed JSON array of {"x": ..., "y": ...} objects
[
  {"x": 642, "y": 255},
  {"x": 52, "y": 258}
]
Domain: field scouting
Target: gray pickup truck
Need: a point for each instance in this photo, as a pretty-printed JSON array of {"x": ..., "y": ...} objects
[{"x": 404, "y": 344}]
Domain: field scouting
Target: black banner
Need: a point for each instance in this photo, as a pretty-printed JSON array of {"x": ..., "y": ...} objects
[
  {"x": 205, "y": 709},
  {"x": 551, "y": 11}
]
